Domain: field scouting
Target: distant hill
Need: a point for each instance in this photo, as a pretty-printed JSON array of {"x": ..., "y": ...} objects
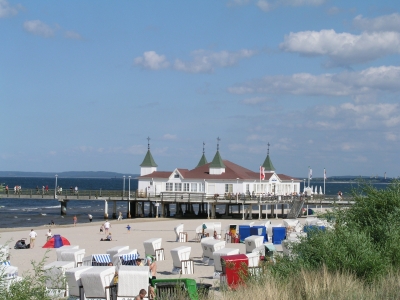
[
  {"x": 375, "y": 179},
  {"x": 69, "y": 174}
]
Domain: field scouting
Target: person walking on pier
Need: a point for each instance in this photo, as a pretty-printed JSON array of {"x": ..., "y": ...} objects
[
  {"x": 120, "y": 216},
  {"x": 75, "y": 219}
]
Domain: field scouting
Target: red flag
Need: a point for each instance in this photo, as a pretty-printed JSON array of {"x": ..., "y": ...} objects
[{"x": 262, "y": 174}]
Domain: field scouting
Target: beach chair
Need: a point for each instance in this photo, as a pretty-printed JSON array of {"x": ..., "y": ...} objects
[
  {"x": 9, "y": 273},
  {"x": 73, "y": 278},
  {"x": 125, "y": 258},
  {"x": 217, "y": 259},
  {"x": 55, "y": 277},
  {"x": 131, "y": 279},
  {"x": 114, "y": 250},
  {"x": 65, "y": 248},
  {"x": 209, "y": 246},
  {"x": 96, "y": 260},
  {"x": 97, "y": 282},
  {"x": 75, "y": 255},
  {"x": 253, "y": 242},
  {"x": 178, "y": 230},
  {"x": 153, "y": 247},
  {"x": 182, "y": 264}
]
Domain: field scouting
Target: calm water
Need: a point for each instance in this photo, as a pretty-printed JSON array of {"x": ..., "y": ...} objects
[{"x": 30, "y": 212}]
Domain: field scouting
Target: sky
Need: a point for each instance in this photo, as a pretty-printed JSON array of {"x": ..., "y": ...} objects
[{"x": 83, "y": 84}]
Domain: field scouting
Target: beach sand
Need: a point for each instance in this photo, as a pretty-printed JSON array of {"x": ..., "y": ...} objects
[{"x": 87, "y": 236}]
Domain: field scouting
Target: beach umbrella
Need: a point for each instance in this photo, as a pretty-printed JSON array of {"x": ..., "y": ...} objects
[
  {"x": 56, "y": 241},
  {"x": 320, "y": 190},
  {"x": 316, "y": 190}
]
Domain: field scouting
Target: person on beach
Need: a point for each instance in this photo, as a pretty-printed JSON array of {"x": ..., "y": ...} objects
[
  {"x": 90, "y": 217},
  {"x": 108, "y": 238},
  {"x": 152, "y": 268},
  {"x": 32, "y": 237},
  {"x": 107, "y": 226},
  {"x": 101, "y": 229},
  {"x": 142, "y": 294},
  {"x": 120, "y": 216},
  {"x": 139, "y": 262},
  {"x": 75, "y": 219},
  {"x": 48, "y": 235},
  {"x": 128, "y": 228},
  {"x": 6, "y": 189}
]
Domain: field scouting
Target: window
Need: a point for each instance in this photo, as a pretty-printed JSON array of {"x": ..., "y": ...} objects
[
  {"x": 202, "y": 187},
  {"x": 186, "y": 187},
  {"x": 247, "y": 188},
  {"x": 178, "y": 187},
  {"x": 228, "y": 188},
  {"x": 176, "y": 175},
  {"x": 169, "y": 186},
  {"x": 193, "y": 187}
]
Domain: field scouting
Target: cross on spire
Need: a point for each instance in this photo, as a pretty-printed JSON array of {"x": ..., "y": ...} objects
[
  {"x": 148, "y": 143},
  {"x": 268, "y": 148},
  {"x": 203, "y": 147},
  {"x": 218, "y": 139}
]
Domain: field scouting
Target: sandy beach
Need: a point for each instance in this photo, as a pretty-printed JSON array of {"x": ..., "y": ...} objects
[{"x": 87, "y": 236}]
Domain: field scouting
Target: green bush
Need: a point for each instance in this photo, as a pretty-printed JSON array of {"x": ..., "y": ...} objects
[{"x": 365, "y": 241}]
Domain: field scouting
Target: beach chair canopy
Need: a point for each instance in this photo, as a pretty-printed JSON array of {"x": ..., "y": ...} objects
[
  {"x": 100, "y": 259},
  {"x": 56, "y": 241},
  {"x": 129, "y": 259}
]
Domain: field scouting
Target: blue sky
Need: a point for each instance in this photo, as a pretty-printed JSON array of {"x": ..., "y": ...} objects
[{"x": 84, "y": 83}]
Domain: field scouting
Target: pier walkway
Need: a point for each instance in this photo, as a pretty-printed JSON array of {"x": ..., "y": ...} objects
[{"x": 187, "y": 204}]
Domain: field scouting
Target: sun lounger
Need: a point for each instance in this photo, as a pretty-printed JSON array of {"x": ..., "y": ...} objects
[
  {"x": 125, "y": 257},
  {"x": 253, "y": 242},
  {"x": 182, "y": 264},
  {"x": 73, "y": 277},
  {"x": 97, "y": 281},
  {"x": 75, "y": 255},
  {"x": 114, "y": 250},
  {"x": 153, "y": 247},
  {"x": 209, "y": 246},
  {"x": 131, "y": 279},
  {"x": 96, "y": 260},
  {"x": 64, "y": 248}
]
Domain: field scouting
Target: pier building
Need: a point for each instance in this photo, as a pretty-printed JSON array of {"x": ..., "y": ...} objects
[{"x": 220, "y": 177}]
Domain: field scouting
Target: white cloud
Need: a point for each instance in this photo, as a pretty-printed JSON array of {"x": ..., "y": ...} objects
[
  {"x": 206, "y": 61},
  {"x": 6, "y": 10},
  {"x": 334, "y": 10},
  {"x": 390, "y": 136},
  {"x": 381, "y": 23},
  {"x": 151, "y": 60},
  {"x": 37, "y": 27},
  {"x": 72, "y": 35},
  {"x": 384, "y": 78},
  {"x": 255, "y": 100},
  {"x": 168, "y": 136},
  {"x": 342, "y": 48},
  {"x": 264, "y": 5}
]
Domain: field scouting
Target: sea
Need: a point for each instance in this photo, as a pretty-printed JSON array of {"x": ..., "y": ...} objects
[{"x": 26, "y": 212}]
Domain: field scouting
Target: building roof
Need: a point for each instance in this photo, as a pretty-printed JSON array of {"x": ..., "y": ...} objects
[
  {"x": 268, "y": 166},
  {"x": 217, "y": 162},
  {"x": 232, "y": 173},
  {"x": 203, "y": 161},
  {"x": 148, "y": 160}
]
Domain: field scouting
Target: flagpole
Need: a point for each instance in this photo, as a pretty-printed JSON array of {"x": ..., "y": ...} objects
[
  {"x": 308, "y": 176},
  {"x": 324, "y": 179}
]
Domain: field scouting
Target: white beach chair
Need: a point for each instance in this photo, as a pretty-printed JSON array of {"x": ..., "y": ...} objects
[
  {"x": 55, "y": 273},
  {"x": 97, "y": 281},
  {"x": 73, "y": 277},
  {"x": 75, "y": 255},
  {"x": 182, "y": 264},
  {"x": 96, "y": 260},
  {"x": 178, "y": 229},
  {"x": 253, "y": 242},
  {"x": 153, "y": 247},
  {"x": 209, "y": 246},
  {"x": 114, "y": 250},
  {"x": 126, "y": 258},
  {"x": 217, "y": 259},
  {"x": 131, "y": 279},
  {"x": 65, "y": 248},
  {"x": 9, "y": 273}
]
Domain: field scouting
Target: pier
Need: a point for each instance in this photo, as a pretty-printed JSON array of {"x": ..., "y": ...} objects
[{"x": 188, "y": 205}]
